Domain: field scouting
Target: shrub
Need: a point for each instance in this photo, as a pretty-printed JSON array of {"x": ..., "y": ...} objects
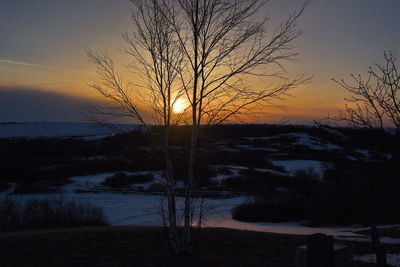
[
  {"x": 271, "y": 212},
  {"x": 157, "y": 187},
  {"x": 306, "y": 174},
  {"x": 225, "y": 171},
  {"x": 343, "y": 198},
  {"x": 9, "y": 215},
  {"x": 4, "y": 187},
  {"x": 235, "y": 182},
  {"x": 33, "y": 188},
  {"x": 203, "y": 175},
  {"x": 123, "y": 180},
  {"x": 47, "y": 214}
]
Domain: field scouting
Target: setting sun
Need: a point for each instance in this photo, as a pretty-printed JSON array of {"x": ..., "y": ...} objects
[{"x": 179, "y": 106}]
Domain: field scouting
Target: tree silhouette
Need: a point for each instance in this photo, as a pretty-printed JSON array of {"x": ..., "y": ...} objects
[
  {"x": 201, "y": 52},
  {"x": 375, "y": 104}
]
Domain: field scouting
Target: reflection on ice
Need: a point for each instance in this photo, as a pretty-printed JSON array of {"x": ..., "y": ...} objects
[{"x": 142, "y": 209}]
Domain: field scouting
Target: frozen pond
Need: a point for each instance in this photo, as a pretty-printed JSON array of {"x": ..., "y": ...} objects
[{"x": 143, "y": 209}]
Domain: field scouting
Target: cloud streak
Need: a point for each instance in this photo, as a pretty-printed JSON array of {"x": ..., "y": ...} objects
[
  {"x": 32, "y": 65},
  {"x": 30, "y": 104}
]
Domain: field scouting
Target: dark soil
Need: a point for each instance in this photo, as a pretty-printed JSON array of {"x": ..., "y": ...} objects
[{"x": 146, "y": 246}]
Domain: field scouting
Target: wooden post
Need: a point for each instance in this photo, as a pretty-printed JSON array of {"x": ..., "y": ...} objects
[{"x": 320, "y": 251}]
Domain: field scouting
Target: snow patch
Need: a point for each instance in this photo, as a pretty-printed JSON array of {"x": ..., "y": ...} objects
[
  {"x": 235, "y": 169},
  {"x": 384, "y": 240},
  {"x": 292, "y": 228},
  {"x": 227, "y": 149},
  {"x": 392, "y": 259},
  {"x": 143, "y": 209},
  {"x": 291, "y": 166},
  {"x": 302, "y": 139},
  {"x": 94, "y": 181},
  {"x": 253, "y": 148},
  {"x": 364, "y": 153}
]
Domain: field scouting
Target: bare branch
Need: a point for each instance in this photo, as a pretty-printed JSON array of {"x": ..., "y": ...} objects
[{"x": 375, "y": 100}]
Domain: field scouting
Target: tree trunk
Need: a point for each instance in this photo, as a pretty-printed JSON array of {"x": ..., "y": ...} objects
[
  {"x": 172, "y": 228},
  {"x": 378, "y": 246},
  {"x": 395, "y": 155},
  {"x": 188, "y": 201},
  {"x": 187, "y": 238}
]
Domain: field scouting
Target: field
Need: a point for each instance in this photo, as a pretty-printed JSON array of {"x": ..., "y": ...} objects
[
  {"x": 289, "y": 179},
  {"x": 145, "y": 246}
]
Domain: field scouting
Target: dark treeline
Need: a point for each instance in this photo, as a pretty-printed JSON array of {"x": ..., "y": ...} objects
[{"x": 343, "y": 198}]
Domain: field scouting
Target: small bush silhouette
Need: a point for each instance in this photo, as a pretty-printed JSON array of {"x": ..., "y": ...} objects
[
  {"x": 307, "y": 174},
  {"x": 47, "y": 214},
  {"x": 4, "y": 186},
  {"x": 33, "y": 188},
  {"x": 272, "y": 212},
  {"x": 123, "y": 180}
]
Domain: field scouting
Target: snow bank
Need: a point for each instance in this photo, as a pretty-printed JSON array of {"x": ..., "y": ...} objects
[
  {"x": 384, "y": 240},
  {"x": 291, "y": 166},
  {"x": 143, "y": 209},
  {"x": 235, "y": 171},
  {"x": 253, "y": 148},
  {"x": 302, "y": 139},
  {"x": 94, "y": 181},
  {"x": 292, "y": 228}
]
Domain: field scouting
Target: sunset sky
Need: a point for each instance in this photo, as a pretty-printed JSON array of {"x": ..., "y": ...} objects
[{"x": 44, "y": 71}]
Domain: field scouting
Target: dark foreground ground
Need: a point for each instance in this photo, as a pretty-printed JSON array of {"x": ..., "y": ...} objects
[{"x": 146, "y": 246}]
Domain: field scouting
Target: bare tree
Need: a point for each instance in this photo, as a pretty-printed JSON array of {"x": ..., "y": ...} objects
[
  {"x": 375, "y": 100},
  {"x": 202, "y": 52},
  {"x": 375, "y": 103},
  {"x": 223, "y": 42},
  {"x": 156, "y": 62}
]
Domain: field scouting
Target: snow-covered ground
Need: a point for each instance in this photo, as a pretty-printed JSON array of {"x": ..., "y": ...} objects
[
  {"x": 236, "y": 168},
  {"x": 94, "y": 181},
  {"x": 302, "y": 139},
  {"x": 254, "y": 148},
  {"x": 383, "y": 239},
  {"x": 292, "y": 228},
  {"x": 392, "y": 259},
  {"x": 43, "y": 130},
  {"x": 291, "y": 166},
  {"x": 143, "y": 209}
]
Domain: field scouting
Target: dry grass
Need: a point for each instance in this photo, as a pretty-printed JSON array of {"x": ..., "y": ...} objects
[
  {"x": 48, "y": 214},
  {"x": 143, "y": 246},
  {"x": 146, "y": 246}
]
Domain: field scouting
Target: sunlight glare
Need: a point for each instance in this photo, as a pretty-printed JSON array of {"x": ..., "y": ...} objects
[{"x": 179, "y": 106}]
